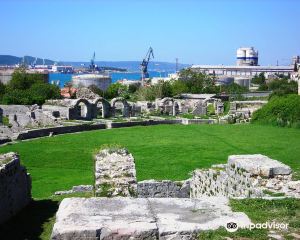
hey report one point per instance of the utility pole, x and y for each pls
(176, 65)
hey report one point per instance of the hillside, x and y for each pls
(12, 60)
(129, 65)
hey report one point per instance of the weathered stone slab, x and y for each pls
(258, 164)
(184, 218)
(140, 218)
(104, 218)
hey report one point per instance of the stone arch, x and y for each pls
(82, 109)
(126, 106)
(105, 111)
(166, 108)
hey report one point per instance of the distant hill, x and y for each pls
(12, 60)
(129, 65)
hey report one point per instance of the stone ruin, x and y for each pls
(15, 186)
(245, 176)
(165, 209)
(241, 111)
(115, 173)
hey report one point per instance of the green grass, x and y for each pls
(261, 211)
(161, 152)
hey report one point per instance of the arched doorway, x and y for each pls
(120, 107)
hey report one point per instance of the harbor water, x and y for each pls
(63, 78)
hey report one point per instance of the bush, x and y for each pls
(281, 111)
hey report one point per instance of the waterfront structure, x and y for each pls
(62, 69)
(101, 81)
(245, 69)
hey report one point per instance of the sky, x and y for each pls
(194, 31)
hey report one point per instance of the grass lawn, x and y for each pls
(285, 211)
(161, 152)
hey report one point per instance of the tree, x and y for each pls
(260, 79)
(178, 87)
(197, 82)
(23, 80)
(28, 89)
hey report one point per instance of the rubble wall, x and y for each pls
(163, 189)
(242, 176)
(115, 173)
(15, 186)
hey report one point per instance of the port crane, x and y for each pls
(144, 65)
(93, 66)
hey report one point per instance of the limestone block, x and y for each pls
(140, 218)
(258, 164)
(102, 218)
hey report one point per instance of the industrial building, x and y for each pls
(245, 69)
(101, 81)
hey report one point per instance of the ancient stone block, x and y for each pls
(15, 186)
(258, 164)
(140, 218)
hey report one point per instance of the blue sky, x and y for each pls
(197, 32)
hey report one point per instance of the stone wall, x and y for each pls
(44, 132)
(198, 121)
(142, 123)
(15, 186)
(163, 189)
(115, 173)
(14, 109)
(242, 176)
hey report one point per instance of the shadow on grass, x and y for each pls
(31, 222)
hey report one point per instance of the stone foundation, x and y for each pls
(15, 186)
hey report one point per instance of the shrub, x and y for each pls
(280, 111)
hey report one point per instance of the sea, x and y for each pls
(63, 78)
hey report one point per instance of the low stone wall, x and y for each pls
(163, 189)
(242, 176)
(198, 121)
(15, 186)
(142, 123)
(115, 173)
(35, 133)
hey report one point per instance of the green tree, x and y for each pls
(23, 80)
(178, 87)
(259, 79)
